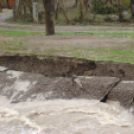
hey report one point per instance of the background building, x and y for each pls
(7, 3)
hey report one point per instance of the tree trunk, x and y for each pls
(76, 2)
(25, 11)
(0, 7)
(132, 8)
(86, 4)
(120, 10)
(64, 13)
(53, 5)
(16, 9)
(81, 11)
(48, 18)
(56, 10)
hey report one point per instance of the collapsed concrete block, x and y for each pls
(123, 93)
(20, 87)
(97, 87)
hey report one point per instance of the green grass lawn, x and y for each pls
(27, 33)
(14, 42)
(16, 34)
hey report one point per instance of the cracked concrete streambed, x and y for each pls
(69, 100)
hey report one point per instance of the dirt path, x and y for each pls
(5, 15)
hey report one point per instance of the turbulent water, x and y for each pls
(64, 117)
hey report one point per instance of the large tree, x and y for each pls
(48, 17)
(132, 8)
(120, 10)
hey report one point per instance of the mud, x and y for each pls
(67, 66)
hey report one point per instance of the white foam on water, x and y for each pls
(8, 112)
(66, 117)
(103, 118)
(30, 124)
(13, 115)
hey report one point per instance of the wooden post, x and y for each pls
(35, 10)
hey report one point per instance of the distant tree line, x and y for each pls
(113, 7)
(24, 9)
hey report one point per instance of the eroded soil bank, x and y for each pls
(67, 66)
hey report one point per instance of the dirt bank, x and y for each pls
(67, 66)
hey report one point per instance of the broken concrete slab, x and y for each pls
(123, 93)
(22, 86)
(98, 87)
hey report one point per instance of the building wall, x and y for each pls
(6, 3)
(10, 3)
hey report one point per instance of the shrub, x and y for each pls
(109, 6)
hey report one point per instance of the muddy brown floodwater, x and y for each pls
(64, 117)
(62, 95)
